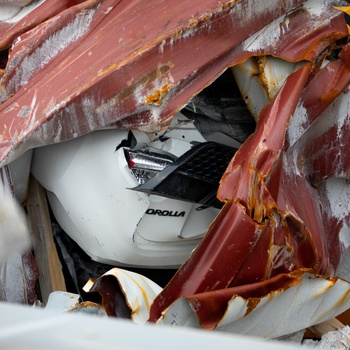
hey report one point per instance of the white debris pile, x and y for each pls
(339, 339)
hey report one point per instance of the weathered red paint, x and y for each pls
(245, 229)
(266, 187)
(9, 31)
(109, 74)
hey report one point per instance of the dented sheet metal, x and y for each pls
(287, 203)
(132, 294)
(103, 64)
(260, 78)
(18, 17)
(122, 76)
(299, 300)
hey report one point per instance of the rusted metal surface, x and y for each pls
(133, 80)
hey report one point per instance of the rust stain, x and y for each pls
(261, 62)
(252, 304)
(158, 95)
(85, 305)
(176, 34)
(228, 5)
(341, 300)
(192, 23)
(329, 284)
(127, 58)
(205, 17)
(152, 76)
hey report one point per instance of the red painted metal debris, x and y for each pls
(103, 63)
(285, 221)
(275, 220)
(96, 64)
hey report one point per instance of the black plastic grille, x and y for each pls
(194, 176)
(209, 164)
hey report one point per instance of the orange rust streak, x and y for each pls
(158, 95)
(251, 305)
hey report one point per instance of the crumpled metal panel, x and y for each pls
(260, 78)
(125, 294)
(103, 63)
(299, 300)
(91, 66)
(29, 17)
(253, 259)
(280, 213)
(70, 302)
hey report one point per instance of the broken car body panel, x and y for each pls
(138, 291)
